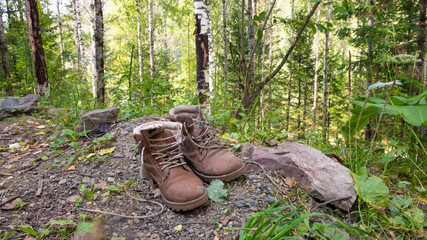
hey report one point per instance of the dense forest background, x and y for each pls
(355, 65)
(347, 77)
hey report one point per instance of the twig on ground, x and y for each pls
(331, 201)
(40, 187)
(268, 176)
(173, 224)
(120, 215)
(8, 201)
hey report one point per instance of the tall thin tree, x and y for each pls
(201, 13)
(151, 33)
(61, 42)
(325, 78)
(421, 42)
(288, 109)
(371, 23)
(316, 68)
(224, 34)
(5, 57)
(39, 59)
(98, 52)
(138, 29)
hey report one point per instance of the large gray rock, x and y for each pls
(93, 119)
(319, 176)
(13, 105)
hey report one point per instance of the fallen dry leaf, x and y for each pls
(14, 159)
(44, 145)
(9, 166)
(90, 155)
(70, 168)
(5, 174)
(13, 133)
(216, 235)
(102, 184)
(157, 192)
(40, 133)
(224, 220)
(1, 184)
(106, 151)
(41, 126)
(288, 181)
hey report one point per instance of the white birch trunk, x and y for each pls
(151, 33)
(98, 52)
(138, 26)
(316, 68)
(325, 79)
(61, 43)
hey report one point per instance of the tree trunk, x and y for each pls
(37, 48)
(224, 32)
(261, 100)
(251, 42)
(5, 58)
(290, 73)
(368, 128)
(325, 79)
(316, 69)
(61, 43)
(201, 9)
(98, 52)
(78, 35)
(138, 29)
(151, 33)
(249, 100)
(421, 40)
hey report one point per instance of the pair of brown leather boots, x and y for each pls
(177, 155)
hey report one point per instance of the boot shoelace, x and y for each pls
(172, 148)
(207, 137)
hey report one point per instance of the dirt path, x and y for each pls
(35, 173)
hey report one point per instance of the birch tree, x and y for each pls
(316, 69)
(203, 27)
(371, 23)
(98, 52)
(78, 34)
(138, 29)
(290, 73)
(151, 33)
(5, 58)
(421, 42)
(37, 48)
(61, 42)
(325, 78)
(224, 33)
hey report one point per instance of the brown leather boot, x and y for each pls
(202, 150)
(160, 146)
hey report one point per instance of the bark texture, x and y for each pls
(290, 73)
(37, 48)
(421, 42)
(61, 43)
(151, 33)
(138, 29)
(325, 79)
(78, 34)
(98, 52)
(5, 58)
(224, 33)
(201, 12)
(316, 69)
(371, 23)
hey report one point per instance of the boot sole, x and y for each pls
(226, 177)
(180, 206)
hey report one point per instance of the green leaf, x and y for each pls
(386, 158)
(336, 234)
(85, 227)
(130, 183)
(28, 229)
(216, 191)
(106, 151)
(62, 222)
(82, 188)
(112, 188)
(68, 132)
(372, 190)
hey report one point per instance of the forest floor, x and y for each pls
(36, 186)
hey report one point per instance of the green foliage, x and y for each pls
(64, 232)
(372, 190)
(216, 191)
(412, 110)
(281, 221)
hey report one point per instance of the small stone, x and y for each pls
(118, 155)
(87, 180)
(73, 199)
(208, 234)
(110, 179)
(28, 192)
(240, 203)
(116, 219)
(63, 181)
(115, 235)
(62, 202)
(270, 199)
